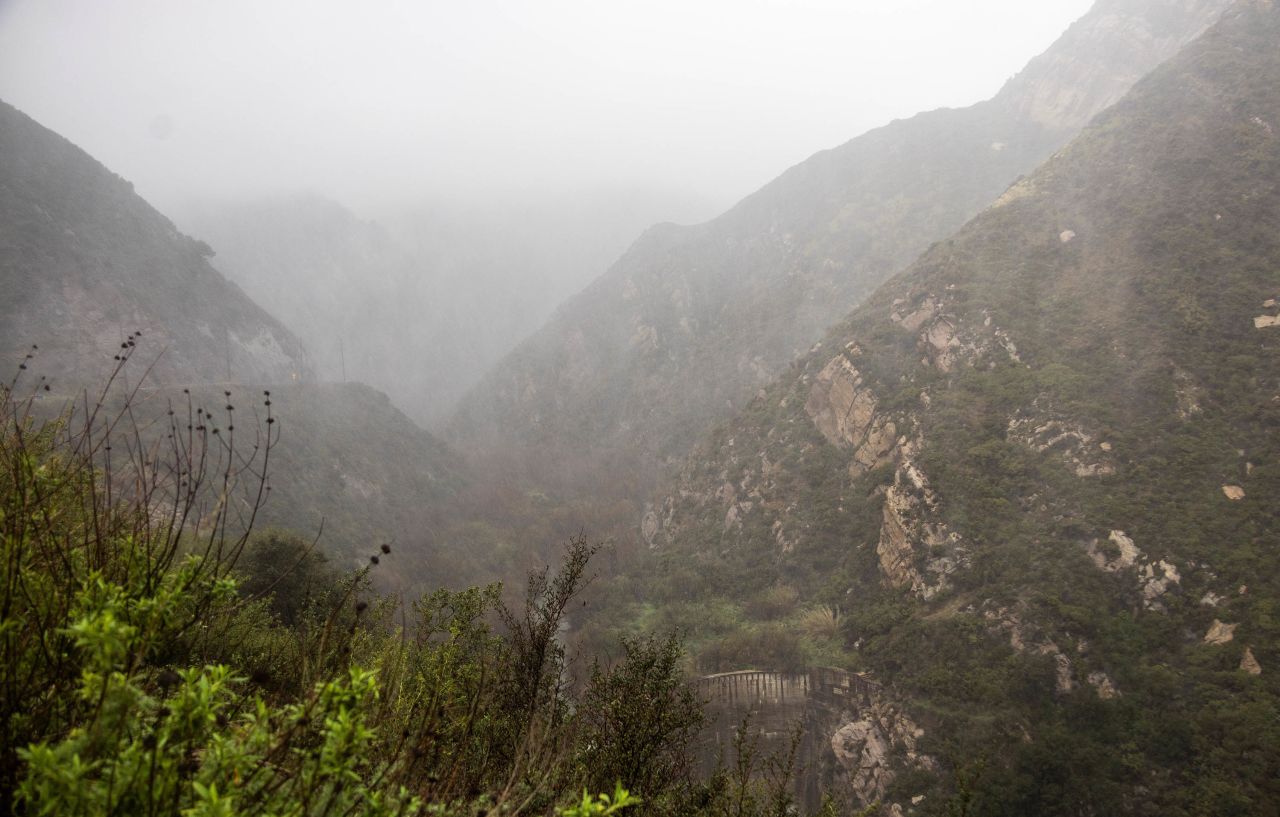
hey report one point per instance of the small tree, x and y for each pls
(639, 720)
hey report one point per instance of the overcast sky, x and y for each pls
(386, 100)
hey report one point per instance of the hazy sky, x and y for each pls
(387, 100)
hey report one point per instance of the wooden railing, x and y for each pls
(754, 688)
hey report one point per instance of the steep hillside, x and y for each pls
(423, 307)
(344, 467)
(694, 320)
(365, 307)
(348, 465)
(1031, 484)
(85, 262)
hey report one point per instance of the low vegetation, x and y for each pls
(155, 661)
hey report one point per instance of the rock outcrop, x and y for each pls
(1154, 577)
(1080, 448)
(844, 411)
(1249, 664)
(1220, 633)
(870, 751)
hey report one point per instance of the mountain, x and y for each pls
(692, 321)
(85, 262)
(422, 307)
(1030, 484)
(362, 303)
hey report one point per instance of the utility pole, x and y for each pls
(342, 359)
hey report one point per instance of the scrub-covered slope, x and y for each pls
(1032, 483)
(85, 262)
(692, 321)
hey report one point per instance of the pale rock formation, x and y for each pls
(862, 749)
(1066, 235)
(1266, 321)
(1155, 578)
(779, 535)
(731, 519)
(878, 447)
(1249, 664)
(1023, 639)
(1078, 447)
(917, 317)
(1063, 682)
(649, 526)
(1128, 553)
(908, 532)
(844, 410)
(644, 337)
(1188, 393)
(866, 750)
(1158, 578)
(941, 344)
(1220, 633)
(839, 404)
(1233, 492)
(1101, 682)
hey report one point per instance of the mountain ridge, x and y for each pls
(82, 252)
(691, 321)
(1030, 479)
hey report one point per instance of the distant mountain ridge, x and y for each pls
(358, 299)
(84, 262)
(421, 303)
(692, 321)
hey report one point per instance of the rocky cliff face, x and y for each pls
(1033, 469)
(693, 321)
(85, 263)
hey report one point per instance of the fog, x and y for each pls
(508, 152)
(376, 103)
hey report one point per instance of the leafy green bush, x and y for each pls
(152, 661)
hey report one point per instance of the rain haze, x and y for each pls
(640, 408)
(414, 187)
(400, 101)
